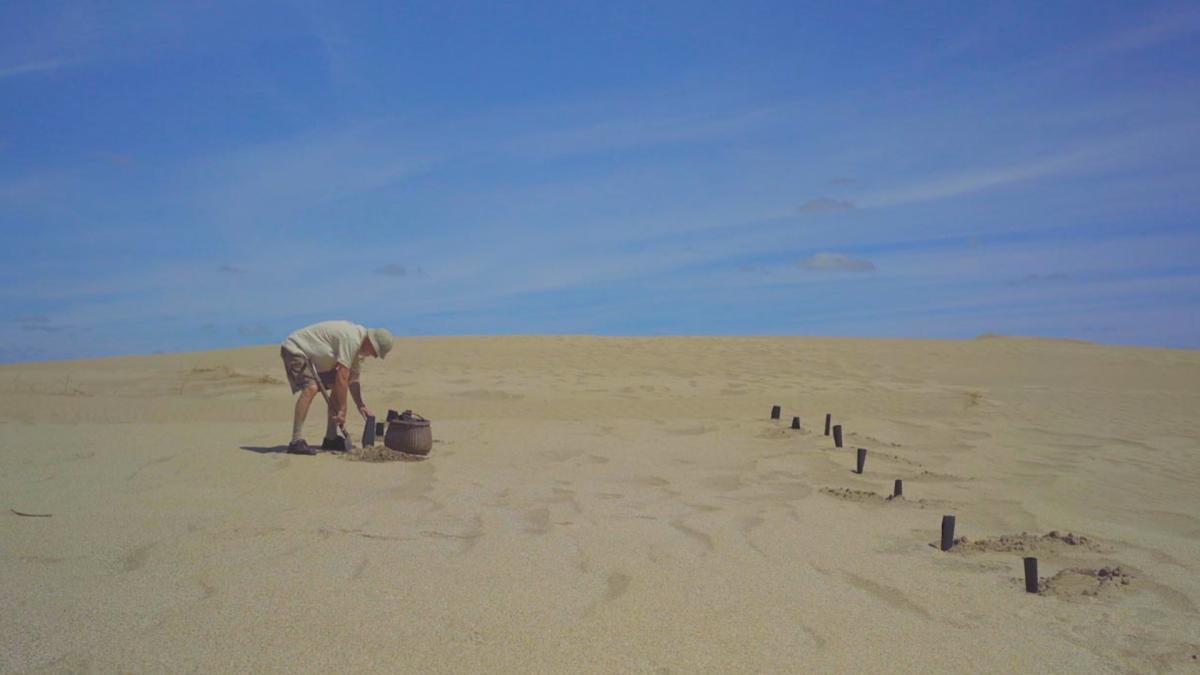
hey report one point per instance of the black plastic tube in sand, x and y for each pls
(775, 412)
(380, 429)
(898, 488)
(828, 421)
(368, 438)
(795, 422)
(837, 435)
(1031, 575)
(947, 532)
(862, 459)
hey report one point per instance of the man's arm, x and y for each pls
(341, 384)
(356, 392)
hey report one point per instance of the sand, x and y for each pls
(611, 505)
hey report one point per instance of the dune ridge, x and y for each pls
(611, 504)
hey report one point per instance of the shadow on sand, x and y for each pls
(265, 450)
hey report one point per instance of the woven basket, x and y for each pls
(409, 433)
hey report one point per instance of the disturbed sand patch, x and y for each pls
(852, 495)
(1053, 541)
(380, 453)
(1078, 582)
(868, 497)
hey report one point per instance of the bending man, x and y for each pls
(336, 348)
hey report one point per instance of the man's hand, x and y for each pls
(339, 418)
(362, 410)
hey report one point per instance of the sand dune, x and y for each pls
(611, 504)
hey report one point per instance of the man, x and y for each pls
(336, 348)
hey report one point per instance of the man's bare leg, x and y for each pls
(302, 403)
(331, 429)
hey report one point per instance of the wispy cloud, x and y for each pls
(272, 182)
(528, 199)
(970, 180)
(1049, 278)
(32, 67)
(639, 131)
(825, 205)
(116, 158)
(1160, 30)
(835, 262)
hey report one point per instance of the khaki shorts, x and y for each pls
(299, 375)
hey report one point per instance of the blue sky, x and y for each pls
(201, 175)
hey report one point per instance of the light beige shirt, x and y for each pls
(329, 343)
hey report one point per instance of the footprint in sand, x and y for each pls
(889, 595)
(779, 432)
(618, 584)
(489, 395)
(698, 430)
(747, 525)
(934, 477)
(695, 535)
(359, 568)
(465, 537)
(417, 484)
(651, 481)
(724, 483)
(207, 590)
(136, 559)
(537, 521)
(560, 454)
(879, 442)
(565, 496)
(147, 465)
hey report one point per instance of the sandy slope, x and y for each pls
(603, 504)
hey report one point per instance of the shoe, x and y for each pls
(300, 447)
(337, 444)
